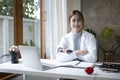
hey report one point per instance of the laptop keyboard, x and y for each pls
(46, 67)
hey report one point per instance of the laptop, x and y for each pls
(31, 58)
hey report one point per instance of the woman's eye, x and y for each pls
(76, 20)
(73, 20)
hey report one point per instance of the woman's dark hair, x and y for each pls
(76, 12)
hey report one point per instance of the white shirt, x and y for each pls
(86, 41)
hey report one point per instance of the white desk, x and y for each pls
(60, 72)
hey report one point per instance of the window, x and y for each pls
(6, 26)
(44, 31)
(31, 23)
(15, 30)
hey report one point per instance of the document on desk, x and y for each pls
(56, 63)
(70, 64)
(85, 64)
(79, 64)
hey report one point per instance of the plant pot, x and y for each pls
(109, 56)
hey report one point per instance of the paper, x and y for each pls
(56, 63)
(85, 64)
(72, 64)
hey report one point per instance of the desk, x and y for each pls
(60, 72)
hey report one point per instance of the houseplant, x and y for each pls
(108, 34)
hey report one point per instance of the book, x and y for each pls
(114, 67)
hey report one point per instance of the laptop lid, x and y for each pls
(30, 57)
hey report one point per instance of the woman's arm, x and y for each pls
(90, 54)
(63, 51)
(81, 52)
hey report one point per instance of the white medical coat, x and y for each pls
(88, 42)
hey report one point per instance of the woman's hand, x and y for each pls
(65, 50)
(81, 52)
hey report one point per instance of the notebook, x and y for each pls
(107, 66)
(31, 58)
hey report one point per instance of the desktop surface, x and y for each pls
(60, 72)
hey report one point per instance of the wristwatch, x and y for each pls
(69, 51)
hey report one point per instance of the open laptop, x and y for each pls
(31, 58)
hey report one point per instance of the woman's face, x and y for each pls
(76, 23)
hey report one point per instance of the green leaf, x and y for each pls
(6, 8)
(32, 43)
(30, 28)
(117, 39)
(107, 33)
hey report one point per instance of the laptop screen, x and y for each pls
(30, 57)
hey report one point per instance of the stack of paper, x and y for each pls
(85, 64)
(71, 64)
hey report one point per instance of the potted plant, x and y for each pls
(107, 35)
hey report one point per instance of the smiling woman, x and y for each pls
(81, 42)
(57, 24)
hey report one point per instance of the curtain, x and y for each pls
(56, 25)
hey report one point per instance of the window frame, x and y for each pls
(18, 25)
(43, 28)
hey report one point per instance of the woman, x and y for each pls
(78, 44)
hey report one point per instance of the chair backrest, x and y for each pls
(97, 43)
